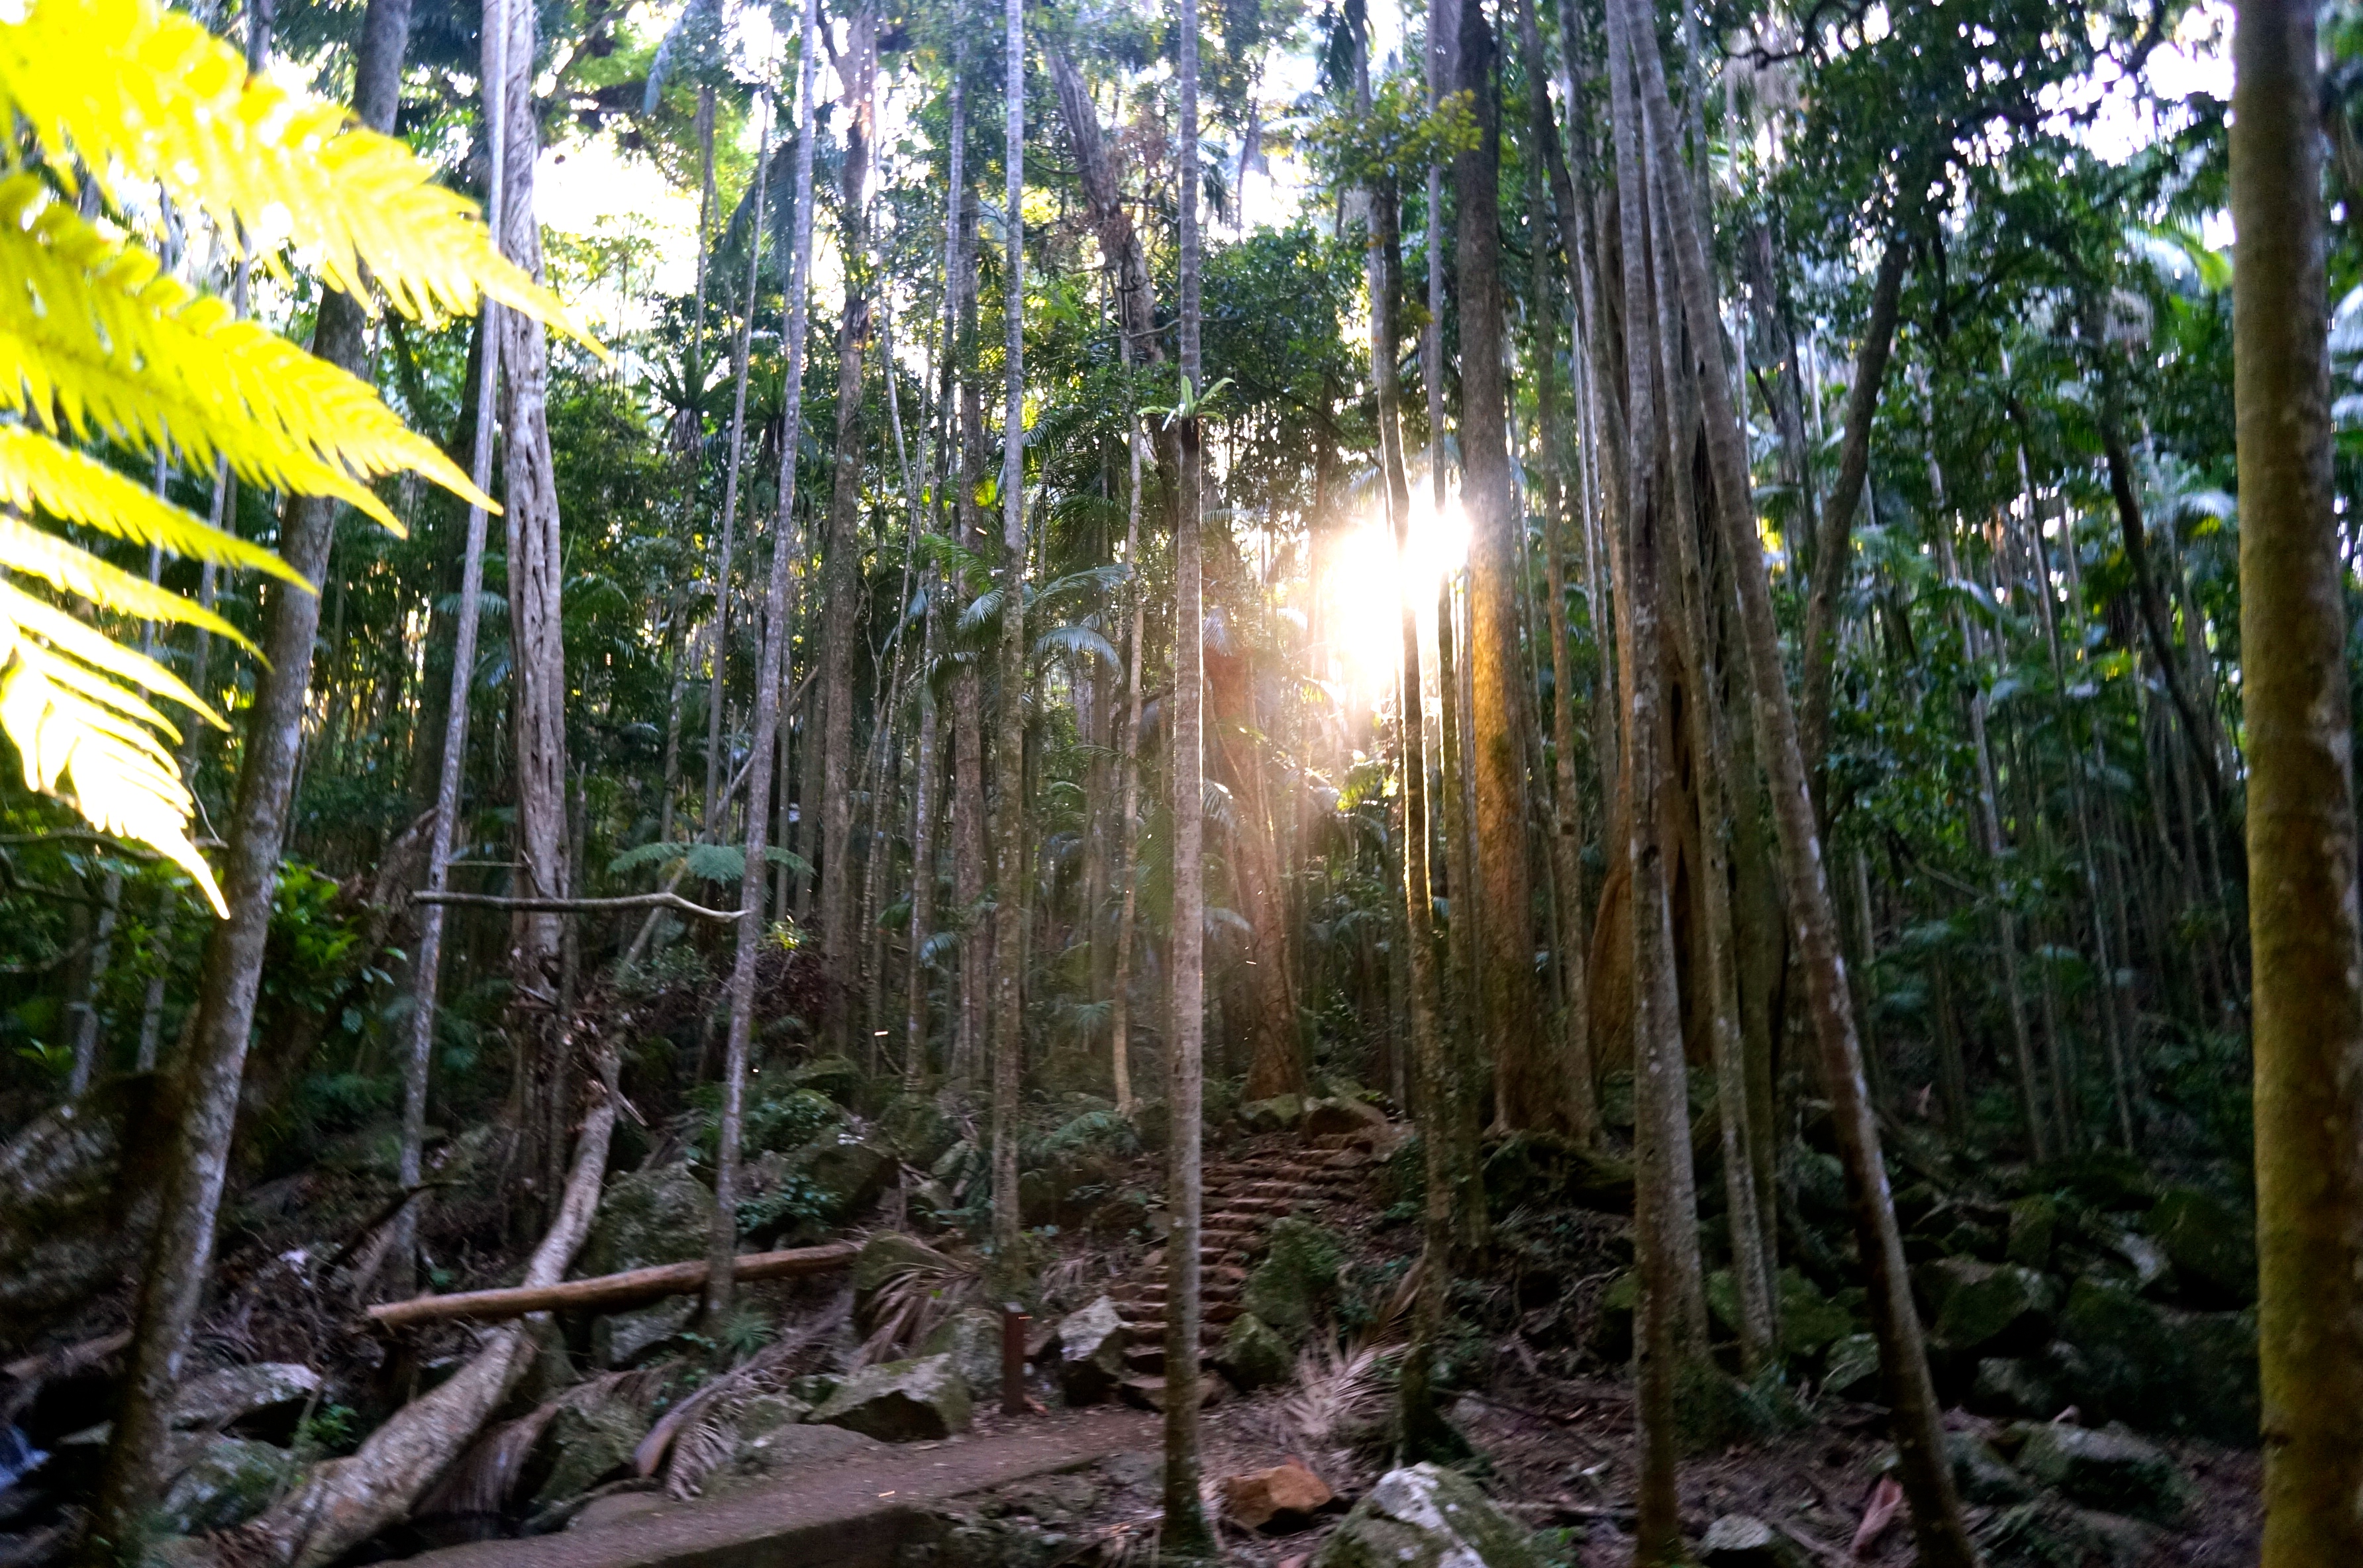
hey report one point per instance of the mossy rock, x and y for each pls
(1543, 1170)
(1280, 1113)
(660, 1215)
(1851, 1371)
(901, 1401)
(1426, 1517)
(1995, 1308)
(2110, 1469)
(1810, 1321)
(2105, 1179)
(2211, 1244)
(913, 1128)
(585, 1444)
(972, 1338)
(1296, 1284)
(885, 1255)
(229, 1481)
(837, 1078)
(1252, 1356)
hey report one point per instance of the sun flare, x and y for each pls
(1365, 583)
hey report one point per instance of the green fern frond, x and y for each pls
(95, 338)
(145, 96)
(38, 474)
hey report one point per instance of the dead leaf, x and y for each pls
(1885, 1499)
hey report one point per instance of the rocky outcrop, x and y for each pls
(1426, 1517)
(1091, 1352)
(2109, 1469)
(972, 1340)
(1252, 1356)
(265, 1400)
(901, 1401)
(228, 1482)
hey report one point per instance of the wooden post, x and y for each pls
(1013, 1325)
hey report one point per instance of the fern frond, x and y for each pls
(95, 338)
(116, 776)
(74, 569)
(141, 93)
(38, 474)
(71, 637)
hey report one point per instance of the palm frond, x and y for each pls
(140, 95)
(94, 337)
(38, 474)
(1078, 642)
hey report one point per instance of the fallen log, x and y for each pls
(607, 1292)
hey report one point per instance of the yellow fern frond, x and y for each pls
(69, 567)
(71, 702)
(96, 337)
(142, 94)
(38, 474)
(22, 614)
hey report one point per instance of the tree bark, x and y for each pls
(180, 1254)
(1186, 1534)
(1832, 552)
(607, 1292)
(722, 1249)
(841, 606)
(1941, 1532)
(1009, 738)
(2302, 920)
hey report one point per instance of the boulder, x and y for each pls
(1283, 1497)
(1278, 1114)
(1297, 1280)
(623, 1340)
(265, 1400)
(228, 1482)
(972, 1338)
(888, 1254)
(1134, 1469)
(1979, 1473)
(1851, 1369)
(837, 1078)
(2110, 1469)
(915, 1130)
(2153, 1271)
(901, 1401)
(658, 1216)
(1810, 1321)
(1742, 1540)
(845, 1173)
(1611, 1336)
(2211, 1244)
(1091, 1352)
(1252, 1356)
(585, 1443)
(2103, 1180)
(2016, 1386)
(2034, 1231)
(788, 1450)
(1353, 1117)
(1426, 1517)
(2125, 1358)
(767, 1413)
(1992, 1307)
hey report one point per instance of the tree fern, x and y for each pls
(99, 345)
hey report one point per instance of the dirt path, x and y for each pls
(851, 1513)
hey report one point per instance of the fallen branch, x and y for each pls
(576, 906)
(342, 1503)
(607, 1292)
(68, 1358)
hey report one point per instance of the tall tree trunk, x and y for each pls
(1127, 829)
(722, 1247)
(90, 975)
(1567, 822)
(529, 495)
(1533, 1091)
(968, 703)
(179, 1262)
(840, 603)
(2302, 923)
(427, 970)
(717, 760)
(1009, 737)
(1832, 551)
(1941, 1531)
(1185, 1532)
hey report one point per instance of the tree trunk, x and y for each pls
(1127, 828)
(968, 703)
(1832, 552)
(840, 605)
(2302, 923)
(722, 1249)
(1009, 735)
(1532, 1080)
(1185, 1530)
(180, 1254)
(1940, 1529)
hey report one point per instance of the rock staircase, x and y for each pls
(1243, 1197)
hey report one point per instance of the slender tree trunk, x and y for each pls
(721, 1248)
(91, 974)
(1832, 552)
(427, 970)
(1127, 827)
(717, 758)
(1940, 1529)
(840, 603)
(967, 707)
(1009, 738)
(2302, 923)
(1185, 1532)
(179, 1262)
